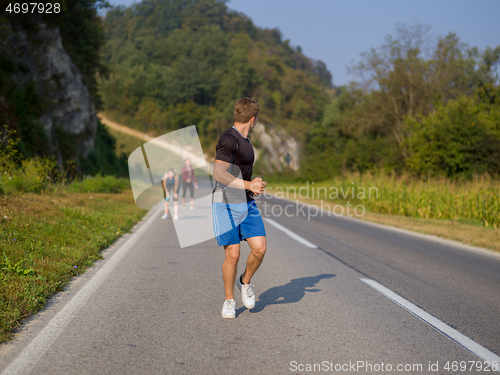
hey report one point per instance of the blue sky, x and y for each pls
(337, 32)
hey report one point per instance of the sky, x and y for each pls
(338, 31)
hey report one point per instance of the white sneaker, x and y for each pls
(228, 311)
(176, 217)
(247, 295)
(165, 216)
(191, 207)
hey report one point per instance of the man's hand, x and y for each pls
(196, 186)
(257, 186)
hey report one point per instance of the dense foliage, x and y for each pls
(424, 107)
(82, 36)
(21, 103)
(460, 138)
(183, 62)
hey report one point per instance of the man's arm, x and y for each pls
(256, 186)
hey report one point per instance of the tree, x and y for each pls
(396, 73)
(408, 76)
(389, 119)
(460, 138)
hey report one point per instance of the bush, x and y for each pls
(29, 175)
(461, 138)
(8, 153)
(99, 184)
(34, 175)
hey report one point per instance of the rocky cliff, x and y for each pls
(275, 148)
(40, 57)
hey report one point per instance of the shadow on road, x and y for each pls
(288, 293)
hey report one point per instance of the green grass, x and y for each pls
(52, 230)
(48, 238)
(99, 184)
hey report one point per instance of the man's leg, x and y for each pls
(230, 268)
(258, 247)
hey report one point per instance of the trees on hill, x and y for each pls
(412, 109)
(181, 62)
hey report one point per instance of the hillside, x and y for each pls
(179, 63)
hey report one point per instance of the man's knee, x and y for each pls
(233, 256)
(260, 250)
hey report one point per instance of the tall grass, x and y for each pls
(28, 175)
(33, 175)
(99, 184)
(438, 198)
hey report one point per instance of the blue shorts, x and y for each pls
(236, 222)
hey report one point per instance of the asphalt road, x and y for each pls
(151, 307)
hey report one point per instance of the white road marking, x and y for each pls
(28, 358)
(438, 325)
(291, 234)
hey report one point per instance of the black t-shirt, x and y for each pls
(232, 143)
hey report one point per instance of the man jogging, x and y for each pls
(235, 220)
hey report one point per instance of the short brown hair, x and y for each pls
(245, 109)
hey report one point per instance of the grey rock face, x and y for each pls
(274, 145)
(42, 57)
